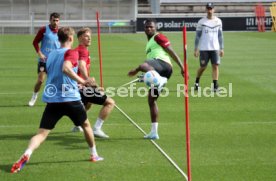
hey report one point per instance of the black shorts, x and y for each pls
(41, 67)
(162, 67)
(92, 95)
(205, 56)
(55, 111)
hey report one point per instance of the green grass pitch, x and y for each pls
(232, 138)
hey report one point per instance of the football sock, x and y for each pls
(93, 151)
(215, 83)
(154, 127)
(35, 94)
(28, 152)
(197, 80)
(99, 123)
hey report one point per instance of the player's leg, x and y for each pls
(96, 96)
(89, 137)
(77, 113)
(105, 111)
(203, 61)
(50, 117)
(41, 70)
(215, 60)
(144, 67)
(152, 102)
(33, 145)
(165, 71)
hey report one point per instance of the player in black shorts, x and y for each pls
(91, 95)
(61, 67)
(159, 55)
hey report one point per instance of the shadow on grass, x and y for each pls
(18, 105)
(7, 168)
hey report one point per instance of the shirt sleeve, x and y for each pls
(72, 56)
(197, 38)
(83, 54)
(199, 25)
(162, 40)
(38, 38)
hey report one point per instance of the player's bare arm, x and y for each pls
(67, 69)
(41, 56)
(175, 57)
(83, 69)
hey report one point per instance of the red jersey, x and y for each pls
(72, 56)
(39, 36)
(84, 56)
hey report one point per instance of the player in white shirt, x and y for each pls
(209, 45)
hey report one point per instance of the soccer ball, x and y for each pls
(152, 78)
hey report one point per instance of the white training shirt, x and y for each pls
(209, 36)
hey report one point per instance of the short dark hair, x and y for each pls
(150, 20)
(64, 33)
(82, 31)
(55, 15)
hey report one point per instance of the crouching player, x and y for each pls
(91, 95)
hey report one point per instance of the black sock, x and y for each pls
(215, 83)
(197, 80)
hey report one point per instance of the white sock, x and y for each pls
(93, 151)
(35, 94)
(154, 127)
(99, 123)
(28, 152)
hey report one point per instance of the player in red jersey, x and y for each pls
(96, 95)
(47, 36)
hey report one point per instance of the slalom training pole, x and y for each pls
(186, 97)
(99, 49)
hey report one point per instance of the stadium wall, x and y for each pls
(229, 23)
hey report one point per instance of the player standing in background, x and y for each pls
(209, 45)
(62, 97)
(159, 53)
(47, 35)
(97, 97)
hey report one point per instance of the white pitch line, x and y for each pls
(135, 80)
(154, 143)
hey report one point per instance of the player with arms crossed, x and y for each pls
(94, 95)
(209, 45)
(159, 53)
(47, 35)
(62, 96)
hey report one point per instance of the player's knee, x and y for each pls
(85, 124)
(110, 102)
(145, 67)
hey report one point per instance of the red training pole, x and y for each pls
(188, 147)
(99, 48)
